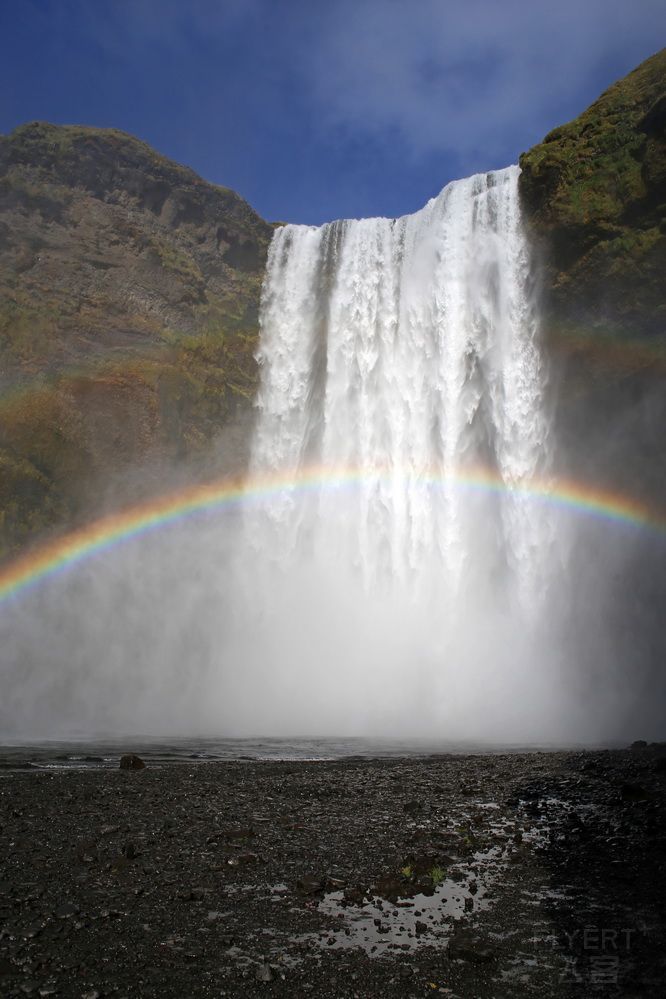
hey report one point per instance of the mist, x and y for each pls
(163, 636)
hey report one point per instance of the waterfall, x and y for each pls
(405, 352)
(394, 567)
(397, 578)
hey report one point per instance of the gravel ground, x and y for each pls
(466, 876)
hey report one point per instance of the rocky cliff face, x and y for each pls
(129, 293)
(594, 192)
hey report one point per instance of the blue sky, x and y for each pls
(320, 109)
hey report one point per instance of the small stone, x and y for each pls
(193, 894)
(633, 792)
(237, 832)
(130, 761)
(309, 884)
(197, 894)
(354, 895)
(468, 947)
(249, 858)
(86, 851)
(264, 973)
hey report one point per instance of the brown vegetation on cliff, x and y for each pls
(129, 294)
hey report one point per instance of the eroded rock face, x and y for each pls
(129, 295)
(595, 194)
(107, 243)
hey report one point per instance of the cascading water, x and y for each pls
(405, 349)
(400, 360)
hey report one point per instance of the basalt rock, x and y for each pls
(130, 761)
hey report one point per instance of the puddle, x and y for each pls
(380, 926)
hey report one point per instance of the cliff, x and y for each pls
(594, 196)
(595, 193)
(129, 293)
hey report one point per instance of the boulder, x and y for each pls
(130, 761)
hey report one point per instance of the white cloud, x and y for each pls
(457, 75)
(471, 79)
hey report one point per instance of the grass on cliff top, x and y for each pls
(593, 163)
(34, 140)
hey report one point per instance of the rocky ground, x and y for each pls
(471, 876)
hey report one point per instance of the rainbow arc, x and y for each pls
(65, 552)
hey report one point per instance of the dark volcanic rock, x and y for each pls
(469, 947)
(191, 924)
(310, 884)
(130, 761)
(633, 792)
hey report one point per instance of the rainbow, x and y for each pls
(94, 538)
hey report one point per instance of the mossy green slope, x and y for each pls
(595, 195)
